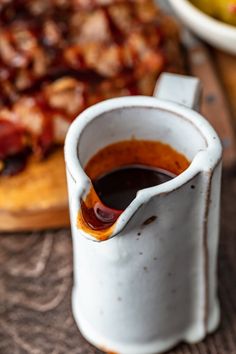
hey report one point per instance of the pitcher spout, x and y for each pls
(99, 222)
(94, 220)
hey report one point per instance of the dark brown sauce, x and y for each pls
(118, 188)
(118, 172)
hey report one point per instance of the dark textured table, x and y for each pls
(36, 281)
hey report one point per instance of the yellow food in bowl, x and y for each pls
(224, 10)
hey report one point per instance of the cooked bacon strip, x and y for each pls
(12, 139)
(101, 41)
(44, 6)
(88, 4)
(36, 122)
(67, 95)
(59, 57)
(40, 117)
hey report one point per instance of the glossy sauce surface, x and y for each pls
(118, 172)
(117, 189)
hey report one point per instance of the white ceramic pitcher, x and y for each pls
(150, 285)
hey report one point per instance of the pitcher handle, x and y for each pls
(184, 90)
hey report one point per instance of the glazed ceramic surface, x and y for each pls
(151, 284)
(217, 33)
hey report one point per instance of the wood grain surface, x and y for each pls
(36, 282)
(219, 92)
(226, 68)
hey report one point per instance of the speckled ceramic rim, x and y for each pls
(205, 159)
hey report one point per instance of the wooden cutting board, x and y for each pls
(226, 67)
(46, 181)
(43, 187)
(218, 79)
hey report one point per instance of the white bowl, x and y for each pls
(219, 34)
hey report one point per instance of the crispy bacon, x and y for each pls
(66, 95)
(105, 41)
(12, 138)
(33, 120)
(58, 57)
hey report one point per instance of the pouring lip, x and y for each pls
(205, 160)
